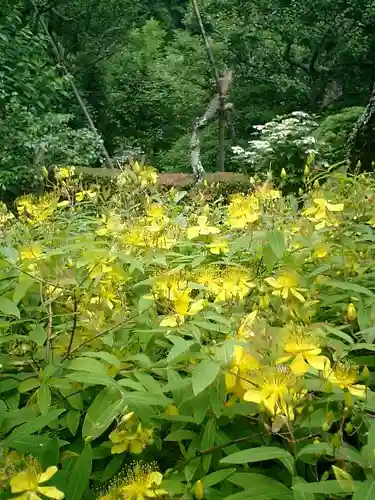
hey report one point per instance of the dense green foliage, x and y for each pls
(228, 349)
(143, 72)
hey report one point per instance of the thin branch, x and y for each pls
(74, 327)
(49, 331)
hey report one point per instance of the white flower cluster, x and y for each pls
(278, 140)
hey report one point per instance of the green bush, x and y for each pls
(333, 133)
(155, 346)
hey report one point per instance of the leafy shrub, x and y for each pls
(281, 147)
(155, 348)
(333, 133)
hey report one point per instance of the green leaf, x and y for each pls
(44, 398)
(149, 383)
(258, 487)
(33, 425)
(28, 384)
(351, 287)
(107, 405)
(326, 487)
(146, 398)
(191, 468)
(9, 308)
(111, 359)
(72, 421)
(21, 289)
(365, 492)
(217, 477)
(361, 346)
(38, 335)
(208, 440)
(88, 365)
(180, 435)
(315, 451)
(204, 374)
(91, 378)
(259, 454)
(80, 475)
(301, 495)
(277, 243)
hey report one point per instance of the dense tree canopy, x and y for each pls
(142, 69)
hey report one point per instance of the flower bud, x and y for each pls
(326, 426)
(264, 301)
(351, 312)
(316, 184)
(365, 372)
(349, 427)
(199, 490)
(283, 173)
(306, 171)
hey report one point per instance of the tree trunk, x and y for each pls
(362, 139)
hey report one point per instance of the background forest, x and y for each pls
(212, 341)
(142, 70)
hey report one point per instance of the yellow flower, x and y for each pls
(245, 329)
(265, 192)
(321, 251)
(242, 211)
(130, 436)
(286, 286)
(201, 229)
(344, 375)
(170, 287)
(182, 308)
(236, 285)
(209, 277)
(28, 484)
(218, 246)
(147, 175)
(302, 347)
(155, 212)
(139, 482)
(64, 172)
(321, 213)
(243, 364)
(275, 388)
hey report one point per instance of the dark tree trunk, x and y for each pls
(362, 139)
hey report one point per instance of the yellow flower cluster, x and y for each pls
(243, 210)
(130, 436)
(29, 483)
(278, 387)
(138, 482)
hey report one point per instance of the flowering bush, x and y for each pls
(281, 147)
(152, 348)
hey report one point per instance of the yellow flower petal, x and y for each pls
(299, 366)
(317, 362)
(119, 448)
(273, 282)
(170, 321)
(45, 476)
(253, 396)
(51, 492)
(136, 447)
(24, 481)
(357, 390)
(297, 295)
(193, 232)
(155, 478)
